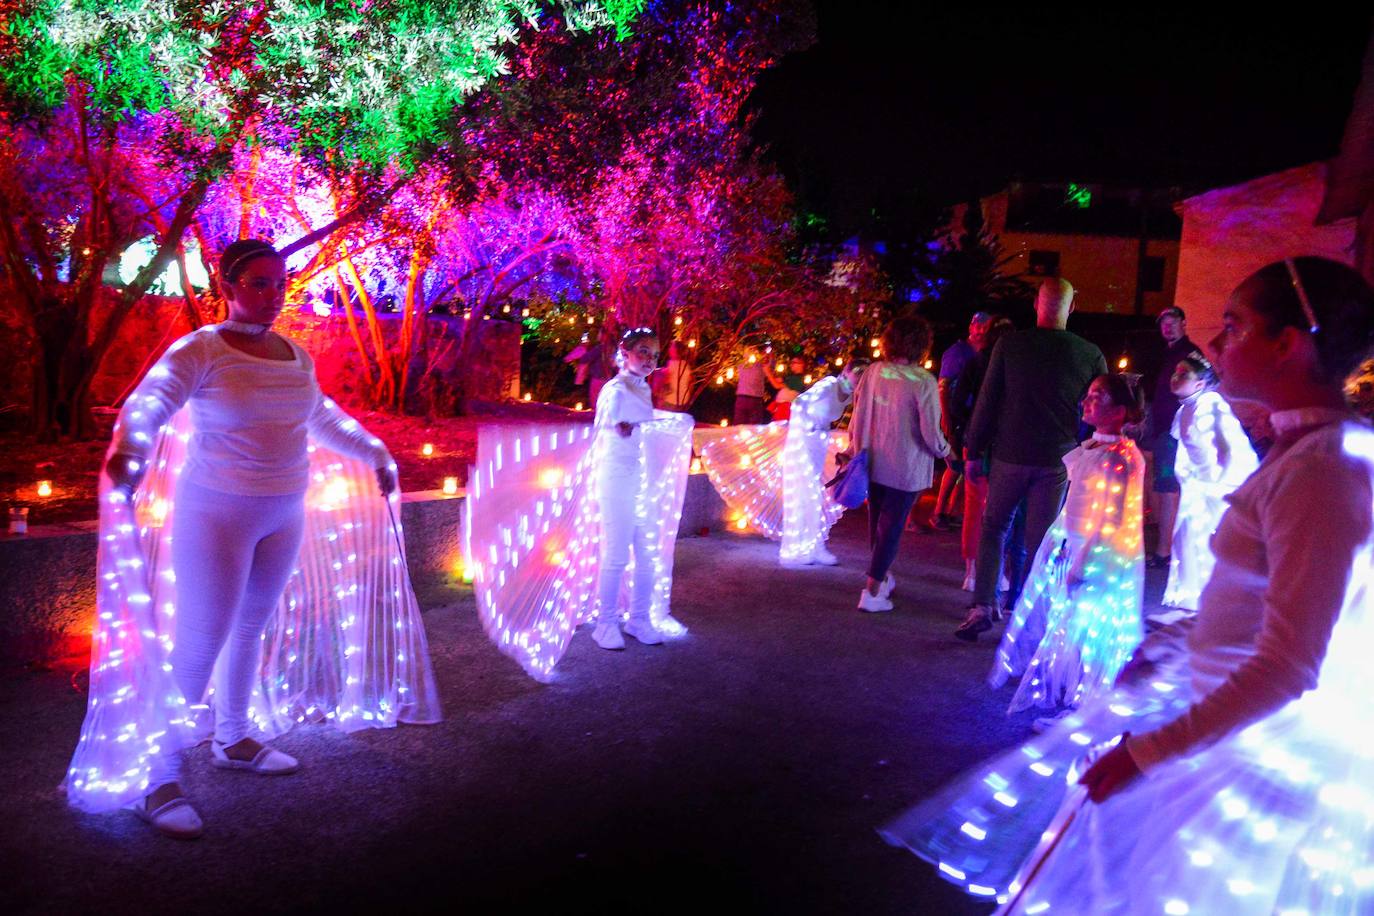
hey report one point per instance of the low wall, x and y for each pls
(47, 577)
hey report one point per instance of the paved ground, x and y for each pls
(744, 766)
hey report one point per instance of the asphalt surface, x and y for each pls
(744, 766)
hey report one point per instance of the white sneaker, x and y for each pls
(643, 629)
(824, 557)
(873, 603)
(670, 627)
(606, 634)
(795, 562)
(889, 584)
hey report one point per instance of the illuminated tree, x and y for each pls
(351, 85)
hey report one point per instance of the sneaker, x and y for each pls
(642, 629)
(824, 557)
(607, 635)
(795, 562)
(873, 604)
(889, 584)
(979, 619)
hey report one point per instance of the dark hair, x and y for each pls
(635, 335)
(238, 255)
(1124, 393)
(907, 338)
(1199, 366)
(1341, 303)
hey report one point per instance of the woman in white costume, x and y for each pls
(1214, 458)
(624, 405)
(240, 517)
(1242, 782)
(808, 510)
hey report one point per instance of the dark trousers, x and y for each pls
(887, 509)
(1043, 490)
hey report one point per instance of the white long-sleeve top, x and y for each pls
(1285, 551)
(624, 399)
(897, 418)
(250, 417)
(1214, 451)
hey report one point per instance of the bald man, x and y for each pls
(1027, 413)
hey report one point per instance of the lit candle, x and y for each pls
(929, 364)
(839, 361)
(45, 488)
(527, 395)
(720, 380)
(577, 406)
(806, 379)
(753, 358)
(1123, 363)
(741, 523)
(696, 465)
(450, 486)
(692, 343)
(873, 342)
(678, 321)
(427, 449)
(780, 366)
(724, 421)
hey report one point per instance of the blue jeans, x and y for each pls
(1043, 490)
(887, 511)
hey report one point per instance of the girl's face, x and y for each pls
(1184, 383)
(1100, 411)
(259, 293)
(641, 357)
(1246, 355)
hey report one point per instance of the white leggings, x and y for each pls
(233, 556)
(620, 530)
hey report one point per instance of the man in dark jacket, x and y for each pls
(1027, 413)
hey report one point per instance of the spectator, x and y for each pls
(1027, 414)
(952, 362)
(672, 383)
(749, 394)
(790, 384)
(1173, 327)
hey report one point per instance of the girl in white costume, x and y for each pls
(621, 484)
(239, 520)
(1078, 618)
(1242, 782)
(808, 509)
(1214, 457)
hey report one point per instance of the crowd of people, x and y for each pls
(1268, 563)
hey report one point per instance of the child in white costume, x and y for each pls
(1078, 618)
(237, 512)
(808, 509)
(1214, 457)
(621, 486)
(1233, 777)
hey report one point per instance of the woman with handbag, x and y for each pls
(897, 420)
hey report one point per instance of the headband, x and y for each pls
(636, 332)
(1306, 303)
(258, 248)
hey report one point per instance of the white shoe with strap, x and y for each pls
(267, 761)
(176, 818)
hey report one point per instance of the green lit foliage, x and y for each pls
(373, 82)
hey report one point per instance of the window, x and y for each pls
(1044, 264)
(1152, 274)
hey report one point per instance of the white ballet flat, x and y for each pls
(268, 761)
(175, 819)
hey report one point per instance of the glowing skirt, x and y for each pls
(1068, 644)
(1278, 818)
(1199, 513)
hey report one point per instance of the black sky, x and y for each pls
(936, 103)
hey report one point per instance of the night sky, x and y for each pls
(909, 107)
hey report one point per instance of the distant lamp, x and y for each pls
(527, 396)
(1123, 363)
(427, 449)
(724, 421)
(450, 486)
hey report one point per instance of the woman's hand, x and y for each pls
(624, 429)
(1112, 772)
(125, 471)
(386, 479)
